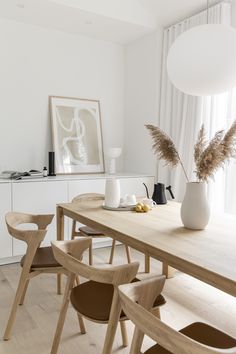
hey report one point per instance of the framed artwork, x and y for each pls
(77, 135)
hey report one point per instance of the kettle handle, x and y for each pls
(146, 190)
(171, 193)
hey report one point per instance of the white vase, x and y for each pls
(112, 193)
(195, 210)
(113, 154)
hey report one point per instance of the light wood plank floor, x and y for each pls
(188, 300)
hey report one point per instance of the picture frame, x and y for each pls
(77, 135)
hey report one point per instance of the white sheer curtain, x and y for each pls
(181, 116)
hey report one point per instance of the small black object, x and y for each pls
(45, 171)
(51, 163)
(159, 195)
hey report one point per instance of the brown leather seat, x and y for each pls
(43, 258)
(90, 232)
(94, 300)
(202, 333)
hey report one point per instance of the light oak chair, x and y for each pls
(197, 338)
(96, 299)
(36, 260)
(86, 231)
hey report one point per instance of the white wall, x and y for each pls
(143, 75)
(37, 62)
(233, 2)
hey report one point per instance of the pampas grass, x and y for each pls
(200, 144)
(208, 156)
(229, 142)
(164, 147)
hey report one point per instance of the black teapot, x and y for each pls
(159, 195)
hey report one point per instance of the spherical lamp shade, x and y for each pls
(202, 60)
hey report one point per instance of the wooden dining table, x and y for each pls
(208, 255)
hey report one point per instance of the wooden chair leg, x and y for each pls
(112, 324)
(80, 318)
(138, 336)
(147, 263)
(62, 316)
(18, 297)
(91, 254)
(77, 280)
(137, 342)
(73, 229)
(24, 292)
(59, 284)
(112, 251)
(124, 333)
(81, 324)
(127, 249)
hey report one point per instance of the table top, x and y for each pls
(209, 255)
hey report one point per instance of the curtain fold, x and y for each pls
(181, 117)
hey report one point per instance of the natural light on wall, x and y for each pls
(218, 113)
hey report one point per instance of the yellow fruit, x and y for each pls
(138, 208)
(146, 208)
(139, 204)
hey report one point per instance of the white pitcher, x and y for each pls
(112, 193)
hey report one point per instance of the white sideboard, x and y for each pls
(40, 196)
(6, 242)
(37, 198)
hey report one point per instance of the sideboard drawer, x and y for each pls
(38, 198)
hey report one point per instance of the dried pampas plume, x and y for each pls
(228, 143)
(200, 144)
(213, 156)
(208, 156)
(164, 147)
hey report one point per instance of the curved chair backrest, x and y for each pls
(136, 300)
(88, 196)
(68, 254)
(14, 219)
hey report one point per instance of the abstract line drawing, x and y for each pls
(77, 135)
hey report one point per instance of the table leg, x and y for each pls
(60, 224)
(59, 284)
(147, 263)
(168, 271)
(60, 237)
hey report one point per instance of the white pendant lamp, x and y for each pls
(202, 60)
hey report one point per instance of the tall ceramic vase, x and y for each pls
(195, 210)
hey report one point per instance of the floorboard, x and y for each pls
(188, 300)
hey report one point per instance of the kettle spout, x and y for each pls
(146, 190)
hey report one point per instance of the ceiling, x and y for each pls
(168, 12)
(119, 21)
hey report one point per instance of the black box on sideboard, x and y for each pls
(51, 163)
